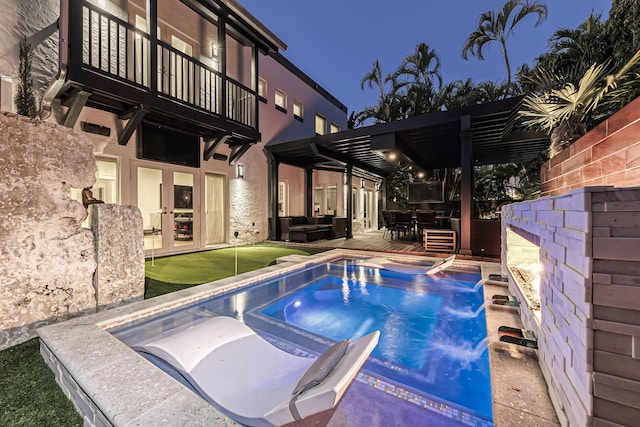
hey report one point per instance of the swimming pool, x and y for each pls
(432, 350)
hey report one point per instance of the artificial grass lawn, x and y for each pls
(29, 394)
(182, 271)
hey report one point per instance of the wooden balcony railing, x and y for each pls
(118, 50)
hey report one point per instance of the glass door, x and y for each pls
(168, 201)
(368, 212)
(215, 209)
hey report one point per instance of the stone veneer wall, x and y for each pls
(589, 320)
(609, 154)
(48, 259)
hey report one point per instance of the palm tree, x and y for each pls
(497, 26)
(581, 47)
(416, 80)
(568, 109)
(381, 113)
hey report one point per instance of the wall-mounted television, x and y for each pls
(426, 192)
(182, 197)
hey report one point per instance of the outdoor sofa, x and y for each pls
(308, 229)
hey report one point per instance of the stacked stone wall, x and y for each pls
(616, 307)
(588, 327)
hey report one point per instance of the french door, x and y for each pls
(168, 197)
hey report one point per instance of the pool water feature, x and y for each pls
(428, 348)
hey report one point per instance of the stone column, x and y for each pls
(119, 241)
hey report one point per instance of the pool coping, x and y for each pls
(110, 384)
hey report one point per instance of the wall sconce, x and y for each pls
(214, 50)
(240, 171)
(362, 183)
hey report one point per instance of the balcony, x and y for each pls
(120, 67)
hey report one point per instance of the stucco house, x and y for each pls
(178, 98)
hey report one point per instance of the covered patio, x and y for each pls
(464, 137)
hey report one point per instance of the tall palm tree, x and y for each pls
(376, 78)
(497, 26)
(567, 109)
(417, 79)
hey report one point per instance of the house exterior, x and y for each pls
(178, 97)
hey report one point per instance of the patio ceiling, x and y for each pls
(430, 141)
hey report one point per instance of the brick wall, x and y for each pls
(607, 155)
(588, 326)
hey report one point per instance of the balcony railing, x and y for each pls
(119, 50)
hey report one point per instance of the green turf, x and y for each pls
(29, 395)
(177, 272)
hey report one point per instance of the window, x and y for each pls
(334, 128)
(280, 100)
(297, 110)
(262, 89)
(321, 125)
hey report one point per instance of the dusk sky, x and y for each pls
(336, 42)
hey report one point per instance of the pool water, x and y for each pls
(433, 328)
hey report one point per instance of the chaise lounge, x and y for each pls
(253, 382)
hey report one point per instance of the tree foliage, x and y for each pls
(25, 99)
(498, 26)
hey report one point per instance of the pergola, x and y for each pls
(463, 137)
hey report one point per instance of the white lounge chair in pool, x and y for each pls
(408, 268)
(254, 382)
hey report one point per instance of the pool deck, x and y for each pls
(110, 384)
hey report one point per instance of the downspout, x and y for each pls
(63, 59)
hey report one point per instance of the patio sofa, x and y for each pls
(308, 229)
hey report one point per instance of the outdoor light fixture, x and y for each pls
(214, 50)
(240, 171)
(420, 175)
(393, 156)
(362, 183)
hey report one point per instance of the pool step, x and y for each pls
(517, 336)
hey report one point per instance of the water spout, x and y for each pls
(480, 283)
(466, 313)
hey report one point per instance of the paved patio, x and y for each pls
(377, 241)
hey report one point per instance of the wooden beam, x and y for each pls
(77, 100)
(134, 117)
(237, 152)
(212, 144)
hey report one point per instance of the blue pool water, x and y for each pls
(433, 328)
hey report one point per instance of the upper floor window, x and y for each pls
(297, 110)
(280, 100)
(334, 128)
(321, 125)
(262, 88)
